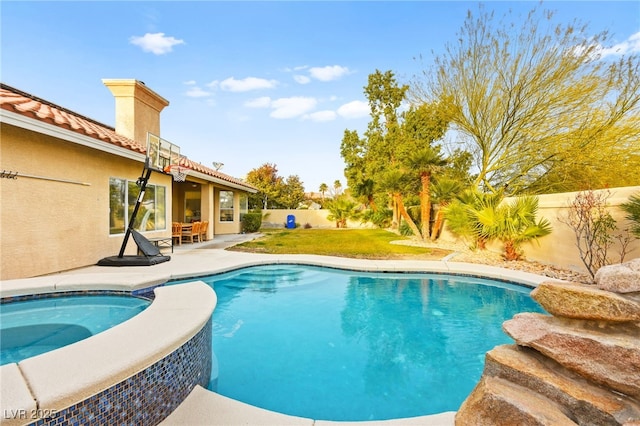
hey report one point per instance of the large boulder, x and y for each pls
(581, 301)
(620, 278)
(606, 354)
(583, 402)
(495, 401)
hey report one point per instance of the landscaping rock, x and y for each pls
(495, 401)
(581, 301)
(583, 401)
(606, 354)
(620, 278)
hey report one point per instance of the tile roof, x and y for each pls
(25, 104)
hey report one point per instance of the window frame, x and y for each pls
(125, 201)
(224, 211)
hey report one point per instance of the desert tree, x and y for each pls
(538, 105)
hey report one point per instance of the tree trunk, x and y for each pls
(425, 204)
(395, 220)
(511, 251)
(403, 212)
(437, 225)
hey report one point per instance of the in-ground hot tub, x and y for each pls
(34, 325)
(136, 372)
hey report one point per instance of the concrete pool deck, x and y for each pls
(204, 407)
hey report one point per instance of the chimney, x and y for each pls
(137, 108)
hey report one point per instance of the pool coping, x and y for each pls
(46, 384)
(193, 262)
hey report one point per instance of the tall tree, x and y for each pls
(539, 108)
(421, 126)
(323, 188)
(337, 187)
(292, 193)
(367, 158)
(269, 185)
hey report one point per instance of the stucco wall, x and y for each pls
(277, 218)
(52, 226)
(559, 248)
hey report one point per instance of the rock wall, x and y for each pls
(578, 366)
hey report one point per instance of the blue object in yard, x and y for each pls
(291, 221)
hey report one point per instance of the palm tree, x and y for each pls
(464, 215)
(394, 182)
(515, 224)
(444, 191)
(425, 161)
(323, 188)
(632, 210)
(337, 186)
(485, 217)
(342, 209)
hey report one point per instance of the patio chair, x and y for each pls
(203, 230)
(176, 232)
(192, 234)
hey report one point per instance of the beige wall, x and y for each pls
(559, 248)
(49, 226)
(234, 227)
(277, 218)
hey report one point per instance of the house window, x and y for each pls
(226, 206)
(152, 214)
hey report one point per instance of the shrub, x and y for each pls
(251, 222)
(632, 209)
(592, 225)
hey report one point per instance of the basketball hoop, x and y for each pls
(179, 173)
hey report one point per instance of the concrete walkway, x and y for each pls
(204, 407)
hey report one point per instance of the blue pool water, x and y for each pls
(32, 327)
(338, 345)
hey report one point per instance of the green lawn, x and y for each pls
(356, 243)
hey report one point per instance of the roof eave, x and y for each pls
(52, 130)
(222, 182)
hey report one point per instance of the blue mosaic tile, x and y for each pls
(151, 395)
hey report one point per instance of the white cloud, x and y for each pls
(354, 109)
(190, 83)
(292, 107)
(263, 102)
(156, 43)
(321, 116)
(245, 85)
(301, 79)
(629, 46)
(196, 92)
(328, 73)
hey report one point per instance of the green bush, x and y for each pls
(632, 209)
(251, 222)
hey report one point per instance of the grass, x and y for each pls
(354, 243)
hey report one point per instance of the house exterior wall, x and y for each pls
(50, 226)
(222, 228)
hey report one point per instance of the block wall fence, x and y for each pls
(558, 249)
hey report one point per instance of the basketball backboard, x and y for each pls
(161, 153)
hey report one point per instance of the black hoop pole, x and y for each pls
(144, 178)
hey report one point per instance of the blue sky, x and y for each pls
(251, 82)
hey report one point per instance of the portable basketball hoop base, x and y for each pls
(162, 156)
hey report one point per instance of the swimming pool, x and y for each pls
(32, 327)
(339, 345)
